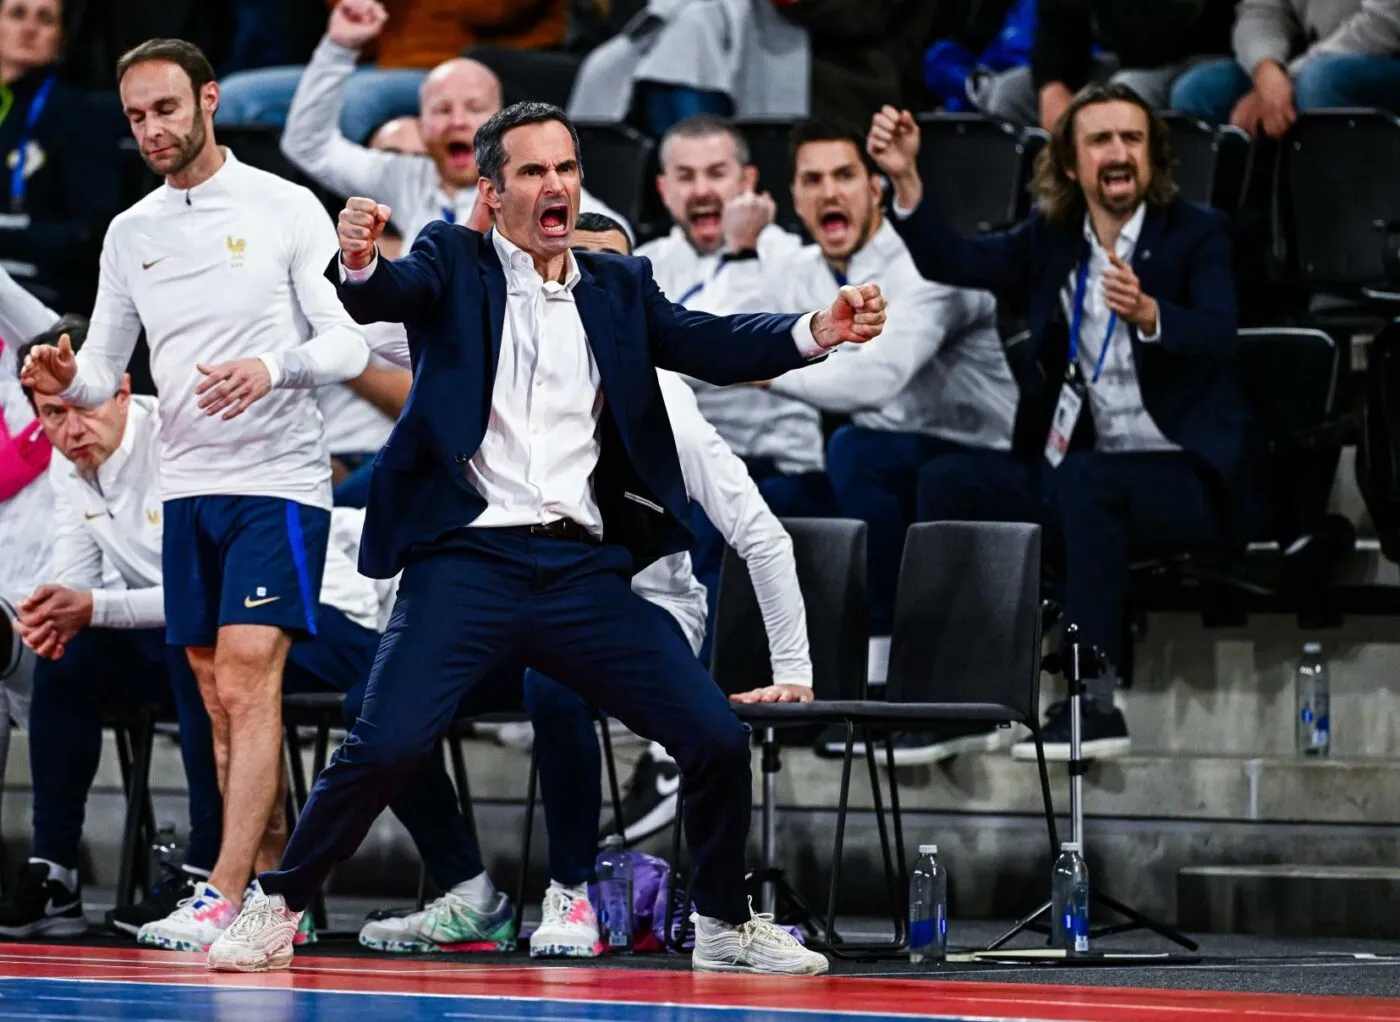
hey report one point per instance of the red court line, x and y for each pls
(832, 994)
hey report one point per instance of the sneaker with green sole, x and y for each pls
(448, 924)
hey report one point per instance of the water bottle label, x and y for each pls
(922, 932)
(1081, 942)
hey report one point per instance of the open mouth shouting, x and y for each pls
(554, 220)
(835, 227)
(705, 219)
(1118, 181)
(460, 155)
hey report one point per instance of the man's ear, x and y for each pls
(487, 192)
(209, 98)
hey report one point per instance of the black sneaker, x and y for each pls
(174, 887)
(40, 907)
(649, 805)
(1103, 733)
(831, 743)
(917, 748)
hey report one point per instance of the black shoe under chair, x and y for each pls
(174, 887)
(649, 806)
(40, 907)
(1104, 734)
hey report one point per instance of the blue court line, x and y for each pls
(38, 1000)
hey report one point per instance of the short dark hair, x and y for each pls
(185, 55)
(601, 223)
(72, 324)
(702, 125)
(804, 132)
(490, 137)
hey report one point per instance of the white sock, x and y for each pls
(577, 891)
(658, 753)
(65, 876)
(478, 892)
(877, 664)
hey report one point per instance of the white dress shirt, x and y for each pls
(755, 423)
(1121, 421)
(938, 368)
(354, 425)
(717, 480)
(116, 522)
(233, 268)
(408, 184)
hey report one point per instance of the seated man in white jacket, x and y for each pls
(456, 98)
(937, 382)
(471, 915)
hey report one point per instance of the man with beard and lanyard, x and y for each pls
(937, 383)
(1131, 429)
(222, 267)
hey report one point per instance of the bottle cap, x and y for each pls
(928, 849)
(1312, 648)
(1070, 846)
(613, 841)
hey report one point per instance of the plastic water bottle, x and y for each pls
(928, 908)
(165, 856)
(1069, 900)
(1313, 722)
(614, 869)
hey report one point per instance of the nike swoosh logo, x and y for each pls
(57, 910)
(100, 514)
(147, 266)
(250, 603)
(668, 785)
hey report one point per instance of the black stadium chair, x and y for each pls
(975, 169)
(1212, 162)
(260, 145)
(616, 166)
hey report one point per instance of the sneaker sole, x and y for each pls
(1101, 748)
(994, 741)
(699, 964)
(49, 926)
(427, 947)
(566, 951)
(172, 944)
(277, 964)
(130, 929)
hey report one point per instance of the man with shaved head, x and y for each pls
(456, 98)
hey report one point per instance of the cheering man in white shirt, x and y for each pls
(455, 99)
(221, 266)
(471, 914)
(937, 382)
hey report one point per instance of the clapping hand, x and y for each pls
(857, 315)
(1122, 292)
(48, 368)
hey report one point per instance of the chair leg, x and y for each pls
(1045, 795)
(531, 785)
(610, 763)
(892, 875)
(832, 939)
(137, 794)
(677, 898)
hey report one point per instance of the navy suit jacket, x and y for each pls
(1182, 259)
(450, 293)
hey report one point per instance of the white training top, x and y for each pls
(119, 517)
(233, 268)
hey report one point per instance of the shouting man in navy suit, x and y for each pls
(532, 472)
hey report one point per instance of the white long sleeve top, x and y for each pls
(233, 268)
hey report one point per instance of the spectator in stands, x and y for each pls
(457, 98)
(400, 135)
(1146, 44)
(61, 183)
(471, 915)
(720, 221)
(101, 644)
(936, 384)
(417, 35)
(1130, 432)
(1298, 55)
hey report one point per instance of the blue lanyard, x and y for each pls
(693, 290)
(1081, 285)
(18, 184)
(840, 278)
(449, 214)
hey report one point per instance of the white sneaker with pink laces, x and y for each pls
(260, 939)
(569, 928)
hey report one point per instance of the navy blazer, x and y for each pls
(1182, 259)
(450, 293)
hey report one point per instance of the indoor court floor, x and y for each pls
(72, 981)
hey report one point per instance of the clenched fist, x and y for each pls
(49, 369)
(355, 22)
(857, 315)
(744, 218)
(361, 223)
(893, 143)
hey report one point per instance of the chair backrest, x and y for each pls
(260, 145)
(1289, 378)
(1337, 196)
(967, 617)
(830, 555)
(768, 152)
(1212, 162)
(615, 165)
(1378, 447)
(975, 170)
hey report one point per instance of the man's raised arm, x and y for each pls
(376, 290)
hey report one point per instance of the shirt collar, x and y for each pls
(1127, 236)
(111, 470)
(217, 182)
(520, 268)
(876, 254)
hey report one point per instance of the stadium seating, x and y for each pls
(1212, 162)
(975, 170)
(615, 166)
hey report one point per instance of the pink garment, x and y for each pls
(23, 457)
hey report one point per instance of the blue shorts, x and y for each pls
(241, 561)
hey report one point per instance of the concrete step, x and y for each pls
(1289, 900)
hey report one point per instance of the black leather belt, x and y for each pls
(562, 528)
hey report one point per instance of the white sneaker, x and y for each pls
(569, 928)
(194, 925)
(260, 939)
(756, 946)
(449, 924)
